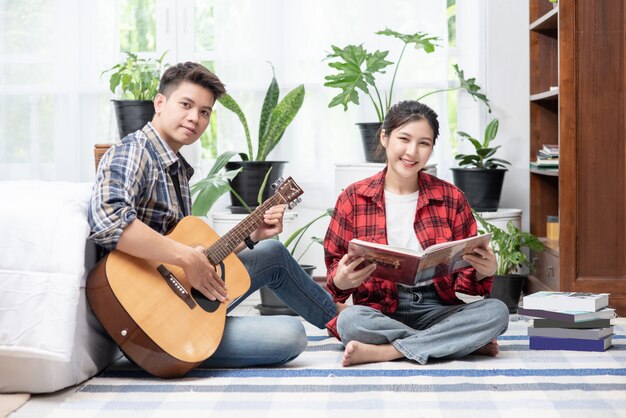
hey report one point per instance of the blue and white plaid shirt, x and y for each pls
(133, 183)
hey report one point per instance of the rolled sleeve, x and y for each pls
(113, 201)
(336, 242)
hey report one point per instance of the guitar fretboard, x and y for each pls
(227, 243)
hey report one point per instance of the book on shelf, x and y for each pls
(567, 316)
(551, 149)
(566, 301)
(581, 334)
(553, 323)
(549, 163)
(541, 154)
(573, 344)
(409, 267)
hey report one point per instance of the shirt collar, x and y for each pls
(166, 155)
(374, 187)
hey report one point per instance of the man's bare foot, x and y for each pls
(359, 353)
(489, 349)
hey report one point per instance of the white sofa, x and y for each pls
(49, 338)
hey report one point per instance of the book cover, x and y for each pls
(552, 323)
(566, 301)
(410, 267)
(581, 334)
(553, 163)
(552, 149)
(572, 344)
(568, 316)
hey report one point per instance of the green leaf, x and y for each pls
(487, 152)
(221, 161)
(501, 161)
(471, 87)
(229, 103)
(281, 117)
(508, 245)
(490, 132)
(269, 103)
(209, 190)
(297, 235)
(471, 139)
(355, 70)
(136, 78)
(259, 197)
(420, 40)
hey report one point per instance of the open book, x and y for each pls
(410, 267)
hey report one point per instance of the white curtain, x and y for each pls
(53, 104)
(296, 35)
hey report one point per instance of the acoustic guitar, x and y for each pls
(151, 311)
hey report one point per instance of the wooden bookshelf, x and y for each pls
(577, 100)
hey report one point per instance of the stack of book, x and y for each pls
(569, 321)
(547, 158)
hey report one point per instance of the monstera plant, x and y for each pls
(356, 71)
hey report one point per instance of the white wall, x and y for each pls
(506, 75)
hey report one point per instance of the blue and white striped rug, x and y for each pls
(519, 382)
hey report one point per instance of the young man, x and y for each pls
(142, 191)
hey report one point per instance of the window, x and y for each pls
(53, 103)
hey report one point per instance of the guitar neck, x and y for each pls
(227, 243)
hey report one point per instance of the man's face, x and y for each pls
(182, 117)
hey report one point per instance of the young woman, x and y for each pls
(403, 206)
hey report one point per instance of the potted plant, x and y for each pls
(508, 246)
(274, 120)
(357, 69)
(270, 303)
(481, 175)
(213, 186)
(136, 83)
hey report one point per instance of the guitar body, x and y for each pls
(158, 329)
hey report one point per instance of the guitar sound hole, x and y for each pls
(202, 301)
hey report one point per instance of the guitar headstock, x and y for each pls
(288, 190)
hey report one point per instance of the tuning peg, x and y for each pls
(291, 205)
(277, 183)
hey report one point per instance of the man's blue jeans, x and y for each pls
(423, 327)
(271, 340)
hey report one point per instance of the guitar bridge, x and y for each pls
(176, 287)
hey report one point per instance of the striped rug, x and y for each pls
(519, 382)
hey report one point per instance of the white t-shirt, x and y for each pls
(400, 216)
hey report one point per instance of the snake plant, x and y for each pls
(275, 118)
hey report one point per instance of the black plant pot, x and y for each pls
(482, 187)
(370, 141)
(132, 115)
(508, 289)
(272, 305)
(248, 182)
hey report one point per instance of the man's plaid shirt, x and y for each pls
(133, 182)
(442, 215)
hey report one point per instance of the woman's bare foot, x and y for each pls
(340, 307)
(359, 353)
(489, 349)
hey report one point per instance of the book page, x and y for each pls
(447, 258)
(387, 247)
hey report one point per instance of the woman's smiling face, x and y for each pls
(408, 149)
